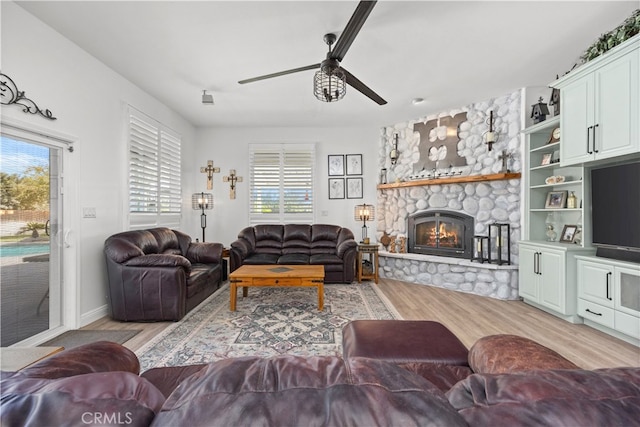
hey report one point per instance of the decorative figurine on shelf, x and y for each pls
(555, 99)
(572, 201)
(385, 240)
(392, 244)
(383, 176)
(402, 247)
(539, 111)
(551, 225)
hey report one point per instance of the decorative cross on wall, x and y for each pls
(232, 179)
(504, 157)
(209, 170)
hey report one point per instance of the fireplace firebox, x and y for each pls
(441, 232)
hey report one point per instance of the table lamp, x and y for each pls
(364, 213)
(202, 201)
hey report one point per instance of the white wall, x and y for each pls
(89, 101)
(229, 149)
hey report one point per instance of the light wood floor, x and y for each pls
(471, 317)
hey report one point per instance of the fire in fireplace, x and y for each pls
(441, 232)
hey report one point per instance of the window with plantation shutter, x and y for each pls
(281, 189)
(154, 173)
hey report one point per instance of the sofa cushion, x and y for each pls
(297, 239)
(294, 259)
(326, 259)
(167, 378)
(200, 277)
(260, 258)
(84, 359)
(167, 240)
(500, 354)
(269, 238)
(105, 398)
(550, 398)
(305, 391)
(442, 376)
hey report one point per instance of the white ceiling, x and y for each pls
(451, 53)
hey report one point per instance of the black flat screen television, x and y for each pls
(615, 207)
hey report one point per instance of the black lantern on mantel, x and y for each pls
(499, 243)
(539, 111)
(480, 249)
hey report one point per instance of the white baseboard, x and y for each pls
(93, 315)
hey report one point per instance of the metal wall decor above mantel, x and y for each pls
(451, 180)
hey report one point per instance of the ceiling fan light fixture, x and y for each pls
(329, 86)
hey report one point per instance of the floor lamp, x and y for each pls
(202, 201)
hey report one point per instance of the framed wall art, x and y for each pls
(354, 164)
(354, 188)
(336, 164)
(336, 188)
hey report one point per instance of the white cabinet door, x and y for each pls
(616, 108)
(595, 281)
(627, 290)
(576, 120)
(552, 280)
(528, 278)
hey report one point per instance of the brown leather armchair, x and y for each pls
(159, 274)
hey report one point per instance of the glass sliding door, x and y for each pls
(30, 238)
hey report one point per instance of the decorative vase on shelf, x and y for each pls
(572, 201)
(551, 227)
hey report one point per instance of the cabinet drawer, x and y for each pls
(596, 313)
(285, 281)
(627, 324)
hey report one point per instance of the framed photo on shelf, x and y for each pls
(336, 188)
(354, 188)
(336, 164)
(354, 164)
(568, 233)
(546, 159)
(556, 200)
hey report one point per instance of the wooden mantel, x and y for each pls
(451, 180)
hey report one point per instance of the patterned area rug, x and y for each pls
(270, 321)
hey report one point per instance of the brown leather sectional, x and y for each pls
(508, 381)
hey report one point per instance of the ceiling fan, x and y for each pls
(332, 74)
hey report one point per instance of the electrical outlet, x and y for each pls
(88, 212)
(324, 213)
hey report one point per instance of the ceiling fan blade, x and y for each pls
(281, 73)
(362, 88)
(352, 29)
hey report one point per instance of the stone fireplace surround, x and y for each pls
(486, 201)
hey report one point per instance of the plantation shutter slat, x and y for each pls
(154, 171)
(281, 183)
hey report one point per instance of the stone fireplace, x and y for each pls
(440, 232)
(440, 210)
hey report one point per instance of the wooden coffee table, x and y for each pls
(276, 275)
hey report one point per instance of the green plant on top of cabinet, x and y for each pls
(599, 102)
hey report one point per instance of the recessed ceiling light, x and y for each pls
(417, 101)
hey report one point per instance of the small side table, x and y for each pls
(369, 254)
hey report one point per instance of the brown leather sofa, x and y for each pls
(295, 244)
(509, 380)
(159, 274)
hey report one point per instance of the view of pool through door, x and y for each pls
(30, 236)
